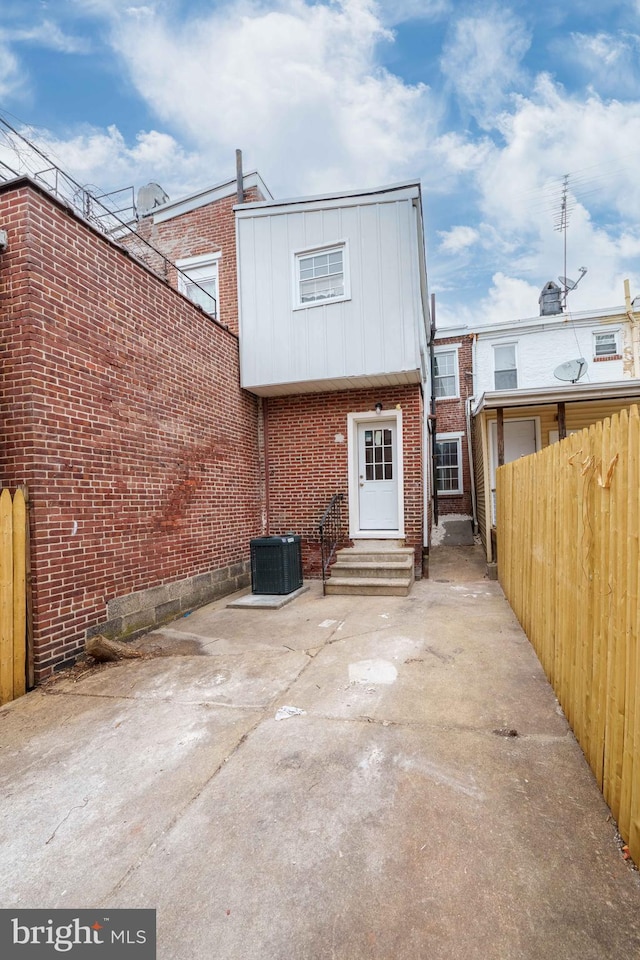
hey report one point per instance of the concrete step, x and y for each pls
(369, 586)
(378, 568)
(402, 567)
(394, 557)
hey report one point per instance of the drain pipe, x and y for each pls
(472, 472)
(267, 465)
(432, 416)
(239, 178)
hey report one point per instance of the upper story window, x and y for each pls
(505, 367)
(605, 345)
(321, 275)
(199, 281)
(445, 373)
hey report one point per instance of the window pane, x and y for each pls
(445, 386)
(605, 344)
(323, 288)
(445, 374)
(321, 276)
(204, 294)
(506, 379)
(505, 356)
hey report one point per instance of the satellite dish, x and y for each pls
(150, 197)
(569, 284)
(571, 370)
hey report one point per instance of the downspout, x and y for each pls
(239, 178)
(423, 345)
(472, 470)
(265, 445)
(432, 416)
(635, 330)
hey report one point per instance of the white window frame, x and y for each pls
(300, 255)
(616, 342)
(439, 351)
(450, 438)
(200, 265)
(506, 343)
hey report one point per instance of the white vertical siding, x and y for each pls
(374, 332)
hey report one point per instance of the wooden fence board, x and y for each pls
(568, 556)
(6, 597)
(631, 741)
(13, 595)
(19, 594)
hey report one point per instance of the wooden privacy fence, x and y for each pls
(13, 595)
(568, 524)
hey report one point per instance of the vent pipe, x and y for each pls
(239, 177)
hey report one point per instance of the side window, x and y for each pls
(321, 275)
(506, 371)
(198, 280)
(449, 463)
(446, 373)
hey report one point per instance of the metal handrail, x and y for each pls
(330, 530)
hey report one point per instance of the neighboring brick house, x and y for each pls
(122, 413)
(198, 235)
(453, 389)
(149, 467)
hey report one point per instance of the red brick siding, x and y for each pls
(207, 229)
(306, 466)
(451, 418)
(121, 410)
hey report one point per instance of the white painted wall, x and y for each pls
(377, 331)
(541, 347)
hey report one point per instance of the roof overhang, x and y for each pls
(350, 198)
(571, 393)
(175, 208)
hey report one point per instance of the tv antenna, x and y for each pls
(567, 203)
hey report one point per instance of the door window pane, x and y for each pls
(378, 454)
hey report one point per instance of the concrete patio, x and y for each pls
(430, 801)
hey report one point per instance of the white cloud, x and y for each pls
(297, 87)
(482, 60)
(593, 140)
(11, 79)
(510, 298)
(46, 34)
(400, 11)
(458, 238)
(610, 63)
(102, 159)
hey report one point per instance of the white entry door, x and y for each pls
(520, 439)
(378, 475)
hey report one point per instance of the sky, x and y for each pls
(499, 109)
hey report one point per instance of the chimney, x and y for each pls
(550, 299)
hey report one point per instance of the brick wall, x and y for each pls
(451, 418)
(121, 410)
(207, 229)
(307, 466)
